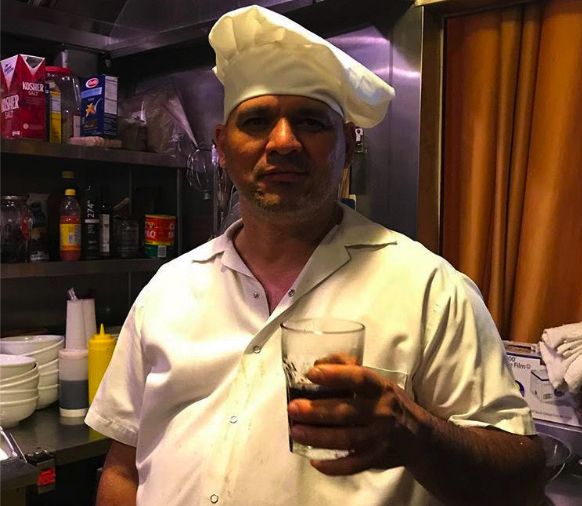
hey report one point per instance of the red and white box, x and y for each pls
(23, 97)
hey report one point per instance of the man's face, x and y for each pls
(285, 153)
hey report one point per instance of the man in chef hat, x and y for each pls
(195, 394)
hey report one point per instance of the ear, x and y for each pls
(220, 136)
(350, 140)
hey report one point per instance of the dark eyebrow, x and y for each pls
(259, 110)
(314, 112)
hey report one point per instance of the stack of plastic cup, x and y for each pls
(89, 317)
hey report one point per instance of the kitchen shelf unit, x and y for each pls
(39, 288)
(80, 268)
(96, 154)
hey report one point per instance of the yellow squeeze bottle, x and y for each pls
(101, 348)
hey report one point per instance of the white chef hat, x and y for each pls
(260, 52)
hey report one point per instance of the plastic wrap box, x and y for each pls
(531, 376)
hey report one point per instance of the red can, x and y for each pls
(160, 231)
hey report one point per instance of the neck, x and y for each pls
(283, 241)
(276, 250)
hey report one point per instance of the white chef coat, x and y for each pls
(196, 381)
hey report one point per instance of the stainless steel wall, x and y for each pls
(156, 16)
(385, 177)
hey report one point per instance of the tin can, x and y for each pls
(160, 231)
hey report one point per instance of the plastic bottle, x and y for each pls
(91, 225)
(53, 211)
(105, 223)
(101, 348)
(65, 81)
(55, 117)
(70, 226)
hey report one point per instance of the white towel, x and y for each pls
(573, 376)
(561, 350)
(556, 336)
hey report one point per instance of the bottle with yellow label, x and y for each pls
(70, 227)
(101, 348)
(54, 119)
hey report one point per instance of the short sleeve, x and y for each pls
(464, 376)
(115, 411)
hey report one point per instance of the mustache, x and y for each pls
(291, 162)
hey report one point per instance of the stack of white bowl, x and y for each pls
(18, 388)
(45, 350)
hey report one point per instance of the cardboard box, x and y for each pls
(23, 97)
(99, 106)
(531, 376)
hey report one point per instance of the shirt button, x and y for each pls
(291, 293)
(257, 349)
(213, 498)
(256, 295)
(233, 419)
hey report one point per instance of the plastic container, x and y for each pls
(16, 222)
(70, 101)
(101, 348)
(73, 382)
(70, 227)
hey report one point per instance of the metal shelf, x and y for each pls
(69, 151)
(80, 268)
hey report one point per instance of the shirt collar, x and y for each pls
(217, 245)
(357, 230)
(353, 231)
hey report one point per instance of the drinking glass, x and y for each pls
(309, 342)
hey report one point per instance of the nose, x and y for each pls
(282, 139)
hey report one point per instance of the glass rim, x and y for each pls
(289, 326)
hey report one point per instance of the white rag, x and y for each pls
(561, 350)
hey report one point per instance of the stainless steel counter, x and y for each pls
(70, 440)
(566, 489)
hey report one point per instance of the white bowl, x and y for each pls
(47, 395)
(20, 345)
(47, 354)
(12, 412)
(22, 384)
(48, 378)
(53, 365)
(14, 365)
(25, 375)
(17, 395)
